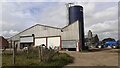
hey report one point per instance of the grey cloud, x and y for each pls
(101, 16)
(55, 16)
(104, 35)
(17, 17)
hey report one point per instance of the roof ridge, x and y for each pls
(34, 26)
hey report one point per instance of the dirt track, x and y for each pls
(106, 57)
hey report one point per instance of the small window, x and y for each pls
(61, 30)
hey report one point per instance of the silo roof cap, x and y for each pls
(76, 6)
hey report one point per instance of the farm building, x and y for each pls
(91, 40)
(69, 37)
(3, 42)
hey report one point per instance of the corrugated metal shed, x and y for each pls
(71, 32)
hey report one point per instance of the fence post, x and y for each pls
(40, 54)
(27, 51)
(14, 52)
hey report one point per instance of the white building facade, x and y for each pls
(67, 37)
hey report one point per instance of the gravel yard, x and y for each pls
(96, 57)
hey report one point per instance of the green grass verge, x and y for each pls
(59, 60)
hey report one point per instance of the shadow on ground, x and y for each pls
(105, 49)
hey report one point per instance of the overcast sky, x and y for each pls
(100, 17)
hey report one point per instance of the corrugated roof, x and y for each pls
(42, 25)
(37, 25)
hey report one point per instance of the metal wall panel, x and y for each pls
(31, 31)
(71, 32)
(53, 41)
(38, 31)
(16, 37)
(42, 31)
(69, 44)
(39, 41)
(26, 39)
